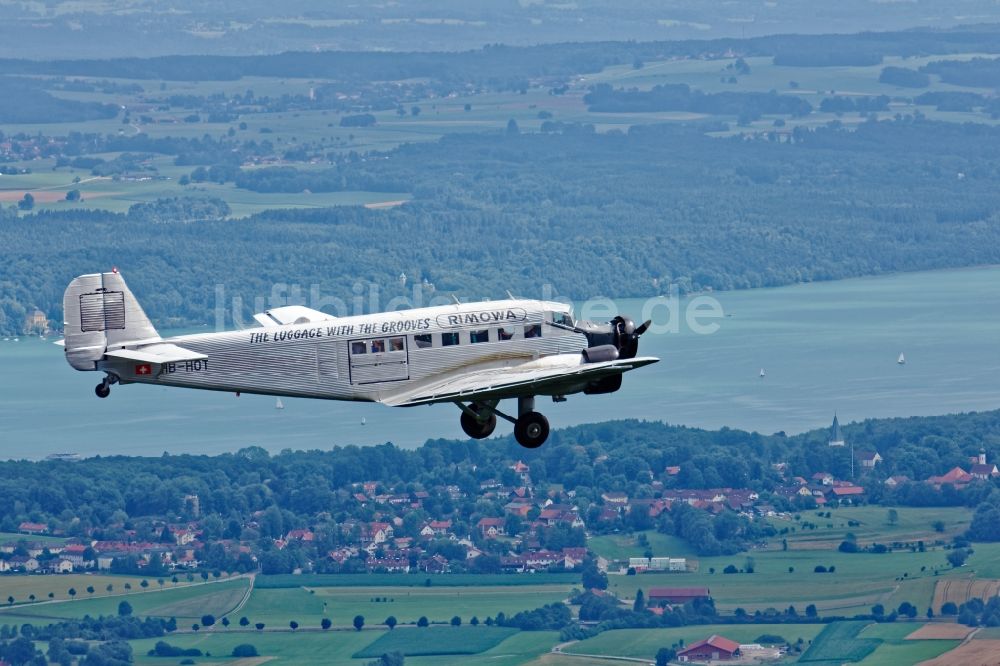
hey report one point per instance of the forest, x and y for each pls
(618, 214)
(509, 68)
(679, 97)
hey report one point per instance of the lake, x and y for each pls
(826, 347)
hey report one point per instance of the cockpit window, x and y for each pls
(562, 319)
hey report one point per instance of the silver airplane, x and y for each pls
(471, 354)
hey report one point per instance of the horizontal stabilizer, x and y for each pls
(158, 353)
(290, 314)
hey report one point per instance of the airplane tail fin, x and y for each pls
(100, 313)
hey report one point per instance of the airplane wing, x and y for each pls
(157, 353)
(549, 376)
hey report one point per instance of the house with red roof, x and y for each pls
(713, 648)
(33, 528)
(300, 535)
(956, 476)
(491, 528)
(676, 595)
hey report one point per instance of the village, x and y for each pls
(515, 529)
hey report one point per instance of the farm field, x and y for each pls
(438, 117)
(840, 642)
(907, 653)
(870, 525)
(438, 604)
(412, 580)
(437, 640)
(22, 586)
(14, 537)
(302, 648)
(338, 647)
(958, 591)
(973, 652)
(643, 643)
(624, 546)
(860, 579)
(186, 602)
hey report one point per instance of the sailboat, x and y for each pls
(278, 404)
(902, 359)
(763, 373)
(363, 421)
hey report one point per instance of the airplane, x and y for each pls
(470, 354)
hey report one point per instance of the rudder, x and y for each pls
(100, 313)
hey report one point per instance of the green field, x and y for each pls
(285, 647)
(187, 602)
(643, 643)
(412, 580)
(338, 647)
(22, 586)
(15, 537)
(840, 642)
(860, 580)
(624, 546)
(907, 653)
(913, 524)
(438, 640)
(896, 650)
(439, 604)
(439, 117)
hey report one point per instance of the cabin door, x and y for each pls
(374, 360)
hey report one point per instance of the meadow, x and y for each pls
(340, 647)
(870, 524)
(22, 587)
(185, 602)
(276, 607)
(840, 642)
(438, 641)
(895, 650)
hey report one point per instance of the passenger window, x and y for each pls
(422, 341)
(479, 336)
(506, 333)
(533, 331)
(358, 348)
(448, 339)
(395, 344)
(378, 346)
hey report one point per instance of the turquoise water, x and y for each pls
(826, 347)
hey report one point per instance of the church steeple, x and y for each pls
(836, 438)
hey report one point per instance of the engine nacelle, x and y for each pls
(600, 353)
(604, 385)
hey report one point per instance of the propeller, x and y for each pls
(627, 335)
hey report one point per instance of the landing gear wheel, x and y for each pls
(531, 430)
(477, 429)
(102, 390)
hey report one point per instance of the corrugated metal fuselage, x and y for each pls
(365, 358)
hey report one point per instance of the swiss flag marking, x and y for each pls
(143, 369)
